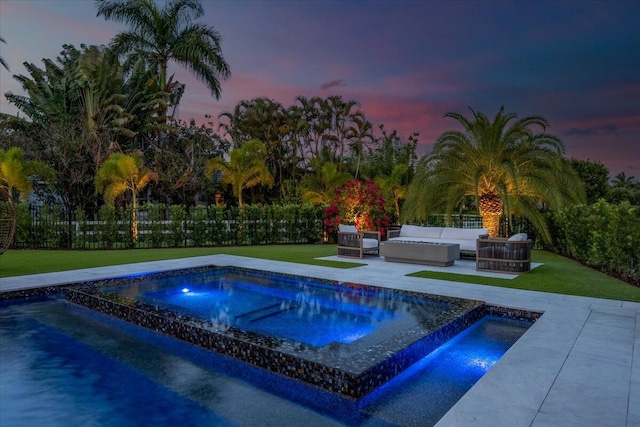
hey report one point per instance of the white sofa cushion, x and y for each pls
(520, 237)
(346, 228)
(368, 243)
(465, 244)
(418, 231)
(449, 233)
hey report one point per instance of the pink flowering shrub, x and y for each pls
(359, 203)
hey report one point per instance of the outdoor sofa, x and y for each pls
(465, 237)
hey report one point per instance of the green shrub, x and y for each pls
(81, 234)
(177, 235)
(23, 226)
(198, 225)
(602, 235)
(107, 226)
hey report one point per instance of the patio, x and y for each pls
(579, 364)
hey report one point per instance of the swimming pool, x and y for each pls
(62, 364)
(393, 328)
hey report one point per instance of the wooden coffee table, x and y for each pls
(438, 254)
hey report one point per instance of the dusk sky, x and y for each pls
(577, 63)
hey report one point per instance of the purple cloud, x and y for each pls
(599, 130)
(332, 83)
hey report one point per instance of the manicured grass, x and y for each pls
(558, 274)
(21, 262)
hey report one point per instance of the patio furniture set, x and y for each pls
(439, 246)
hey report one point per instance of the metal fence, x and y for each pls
(50, 227)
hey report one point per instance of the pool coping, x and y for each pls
(579, 364)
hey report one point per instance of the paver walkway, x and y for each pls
(578, 365)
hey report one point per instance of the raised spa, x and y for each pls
(343, 337)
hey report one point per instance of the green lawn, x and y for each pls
(558, 274)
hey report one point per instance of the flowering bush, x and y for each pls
(359, 203)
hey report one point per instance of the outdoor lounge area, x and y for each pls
(439, 246)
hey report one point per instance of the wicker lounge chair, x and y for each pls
(355, 244)
(512, 255)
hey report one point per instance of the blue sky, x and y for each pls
(577, 63)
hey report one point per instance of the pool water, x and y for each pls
(297, 309)
(346, 338)
(61, 364)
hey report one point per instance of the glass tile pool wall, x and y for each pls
(415, 323)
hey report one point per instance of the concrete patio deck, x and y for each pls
(578, 365)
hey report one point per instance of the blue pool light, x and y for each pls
(185, 290)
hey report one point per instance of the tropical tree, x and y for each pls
(344, 117)
(81, 108)
(504, 163)
(2, 61)
(624, 188)
(394, 186)
(170, 33)
(121, 173)
(245, 169)
(361, 135)
(595, 177)
(15, 172)
(319, 188)
(388, 151)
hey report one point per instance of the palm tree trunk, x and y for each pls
(134, 217)
(490, 207)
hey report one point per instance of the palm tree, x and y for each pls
(319, 188)
(14, 177)
(361, 133)
(245, 169)
(394, 186)
(119, 174)
(12, 172)
(508, 167)
(622, 181)
(161, 35)
(15, 172)
(2, 61)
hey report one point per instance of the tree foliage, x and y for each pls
(245, 168)
(171, 33)
(508, 167)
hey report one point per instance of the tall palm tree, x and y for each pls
(504, 163)
(361, 135)
(2, 61)
(245, 169)
(119, 174)
(170, 33)
(343, 115)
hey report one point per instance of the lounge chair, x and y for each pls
(355, 244)
(512, 255)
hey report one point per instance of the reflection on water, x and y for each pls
(64, 365)
(304, 311)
